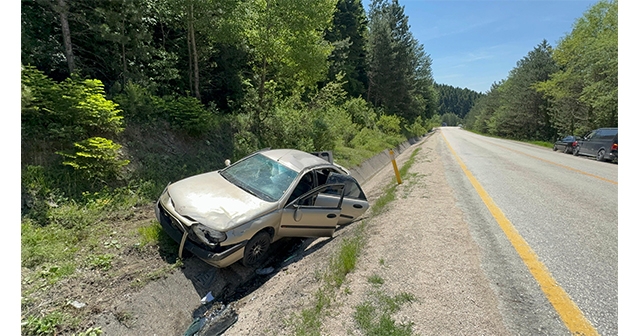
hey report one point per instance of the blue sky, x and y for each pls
(475, 43)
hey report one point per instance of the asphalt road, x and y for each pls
(564, 207)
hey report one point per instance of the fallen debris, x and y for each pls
(207, 298)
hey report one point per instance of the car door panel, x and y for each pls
(314, 214)
(354, 203)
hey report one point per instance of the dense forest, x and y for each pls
(569, 89)
(312, 75)
(454, 103)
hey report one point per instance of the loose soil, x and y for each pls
(420, 245)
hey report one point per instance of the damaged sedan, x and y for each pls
(235, 213)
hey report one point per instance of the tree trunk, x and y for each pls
(190, 57)
(196, 75)
(66, 34)
(124, 55)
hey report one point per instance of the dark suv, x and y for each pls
(601, 143)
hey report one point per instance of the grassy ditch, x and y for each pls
(374, 316)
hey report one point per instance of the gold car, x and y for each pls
(236, 212)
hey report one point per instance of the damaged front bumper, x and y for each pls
(226, 255)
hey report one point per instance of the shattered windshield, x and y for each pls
(260, 176)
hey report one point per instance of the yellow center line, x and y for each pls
(557, 164)
(569, 312)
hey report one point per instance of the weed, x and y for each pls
(150, 234)
(90, 332)
(373, 317)
(124, 317)
(102, 262)
(46, 325)
(375, 279)
(54, 273)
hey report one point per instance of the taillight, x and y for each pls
(575, 143)
(614, 147)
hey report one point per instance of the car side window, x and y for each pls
(328, 196)
(351, 187)
(608, 134)
(305, 184)
(323, 174)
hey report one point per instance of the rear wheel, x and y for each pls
(576, 150)
(600, 156)
(555, 148)
(256, 249)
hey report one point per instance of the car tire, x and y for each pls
(566, 150)
(555, 148)
(600, 156)
(256, 249)
(576, 150)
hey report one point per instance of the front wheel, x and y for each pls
(256, 249)
(601, 155)
(555, 148)
(576, 150)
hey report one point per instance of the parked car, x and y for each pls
(566, 143)
(601, 143)
(236, 212)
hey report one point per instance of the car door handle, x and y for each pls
(357, 206)
(331, 216)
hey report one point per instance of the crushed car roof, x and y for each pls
(294, 159)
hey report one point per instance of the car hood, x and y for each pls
(215, 202)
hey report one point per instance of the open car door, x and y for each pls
(314, 214)
(354, 203)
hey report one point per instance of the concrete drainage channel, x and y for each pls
(217, 313)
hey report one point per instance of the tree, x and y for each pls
(455, 100)
(287, 48)
(584, 92)
(523, 112)
(400, 78)
(348, 36)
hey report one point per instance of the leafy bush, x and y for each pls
(187, 114)
(73, 109)
(418, 127)
(137, 103)
(389, 124)
(96, 157)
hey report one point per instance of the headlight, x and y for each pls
(208, 236)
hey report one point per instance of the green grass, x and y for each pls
(309, 321)
(541, 143)
(389, 192)
(375, 279)
(533, 142)
(374, 316)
